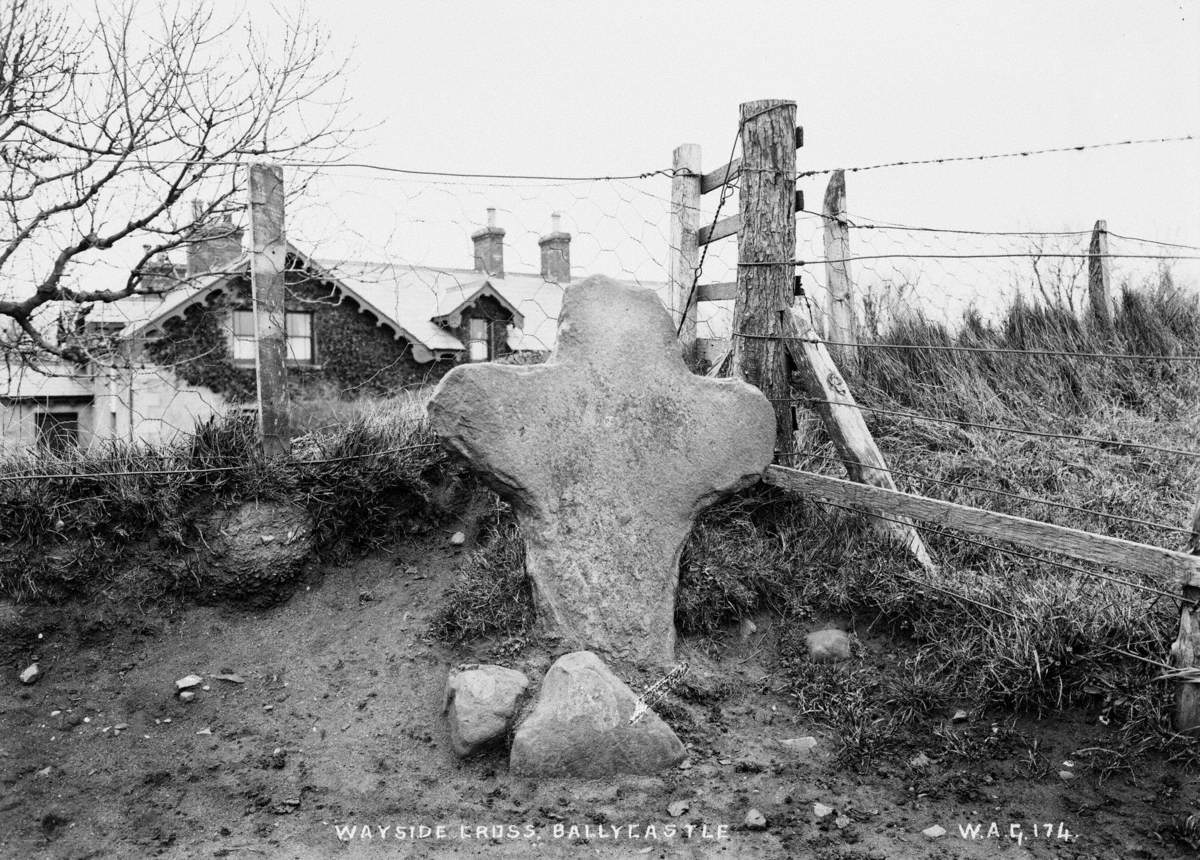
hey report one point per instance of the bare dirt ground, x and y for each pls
(337, 724)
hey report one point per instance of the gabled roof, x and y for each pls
(409, 300)
(468, 294)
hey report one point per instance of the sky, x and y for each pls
(610, 88)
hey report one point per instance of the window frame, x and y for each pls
(236, 337)
(483, 337)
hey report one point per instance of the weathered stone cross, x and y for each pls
(607, 452)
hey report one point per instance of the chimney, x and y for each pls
(556, 253)
(489, 247)
(215, 245)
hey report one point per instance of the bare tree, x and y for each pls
(111, 122)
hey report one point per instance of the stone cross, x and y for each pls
(607, 453)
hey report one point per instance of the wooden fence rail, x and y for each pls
(770, 340)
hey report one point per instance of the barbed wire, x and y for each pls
(385, 168)
(852, 219)
(1006, 493)
(1021, 431)
(998, 155)
(1044, 353)
(913, 255)
(201, 470)
(667, 171)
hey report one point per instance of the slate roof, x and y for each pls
(406, 298)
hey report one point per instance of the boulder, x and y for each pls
(582, 725)
(480, 704)
(828, 646)
(254, 552)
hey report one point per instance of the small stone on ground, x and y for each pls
(934, 832)
(755, 820)
(802, 747)
(480, 704)
(31, 674)
(828, 646)
(188, 681)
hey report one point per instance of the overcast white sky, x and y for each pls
(611, 87)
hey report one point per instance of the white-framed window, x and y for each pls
(477, 340)
(298, 331)
(298, 335)
(244, 347)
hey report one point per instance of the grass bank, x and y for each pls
(994, 629)
(78, 522)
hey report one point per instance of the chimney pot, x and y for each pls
(213, 247)
(556, 253)
(489, 247)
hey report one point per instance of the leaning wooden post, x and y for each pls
(685, 249)
(842, 304)
(1185, 652)
(267, 262)
(1099, 282)
(766, 252)
(847, 428)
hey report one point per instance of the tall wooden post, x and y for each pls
(842, 302)
(1185, 652)
(267, 262)
(1099, 284)
(685, 250)
(766, 254)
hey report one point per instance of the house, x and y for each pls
(353, 329)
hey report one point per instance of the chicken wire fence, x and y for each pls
(379, 249)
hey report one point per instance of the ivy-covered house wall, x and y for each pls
(352, 356)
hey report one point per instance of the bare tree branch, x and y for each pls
(110, 123)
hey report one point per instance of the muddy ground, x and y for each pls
(337, 725)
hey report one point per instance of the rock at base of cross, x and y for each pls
(583, 725)
(480, 704)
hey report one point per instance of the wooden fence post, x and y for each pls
(1099, 284)
(847, 428)
(1185, 653)
(268, 259)
(685, 250)
(766, 253)
(842, 303)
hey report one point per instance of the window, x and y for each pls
(244, 348)
(477, 342)
(298, 334)
(57, 431)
